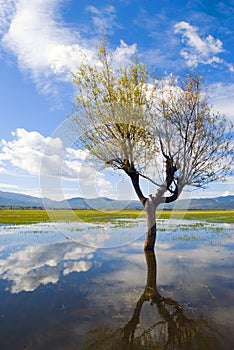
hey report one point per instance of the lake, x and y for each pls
(87, 286)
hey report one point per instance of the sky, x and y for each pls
(42, 41)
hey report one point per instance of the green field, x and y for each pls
(224, 216)
(30, 216)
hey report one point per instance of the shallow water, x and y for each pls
(81, 286)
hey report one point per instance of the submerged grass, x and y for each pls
(222, 216)
(29, 216)
(186, 238)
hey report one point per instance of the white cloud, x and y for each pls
(44, 47)
(7, 9)
(27, 149)
(104, 18)
(222, 98)
(124, 52)
(199, 50)
(47, 157)
(77, 153)
(51, 50)
(35, 154)
(3, 171)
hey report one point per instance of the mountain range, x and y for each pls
(16, 200)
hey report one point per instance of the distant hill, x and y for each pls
(9, 199)
(16, 200)
(222, 202)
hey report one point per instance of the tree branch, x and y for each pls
(174, 196)
(170, 179)
(149, 179)
(134, 176)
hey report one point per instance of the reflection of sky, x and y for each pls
(198, 271)
(91, 287)
(34, 255)
(31, 255)
(42, 264)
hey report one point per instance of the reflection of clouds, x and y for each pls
(76, 252)
(95, 235)
(200, 275)
(107, 295)
(76, 266)
(124, 280)
(36, 254)
(42, 264)
(107, 235)
(38, 257)
(191, 267)
(31, 280)
(182, 273)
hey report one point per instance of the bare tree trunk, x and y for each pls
(150, 239)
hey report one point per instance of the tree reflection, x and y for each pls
(171, 330)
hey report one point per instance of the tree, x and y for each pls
(171, 329)
(159, 129)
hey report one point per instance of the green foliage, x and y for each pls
(111, 104)
(161, 129)
(196, 139)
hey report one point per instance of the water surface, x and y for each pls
(83, 286)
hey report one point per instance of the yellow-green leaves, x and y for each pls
(128, 114)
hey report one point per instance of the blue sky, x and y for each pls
(42, 40)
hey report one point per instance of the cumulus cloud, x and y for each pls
(124, 52)
(198, 49)
(33, 32)
(26, 150)
(34, 154)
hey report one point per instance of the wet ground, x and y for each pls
(78, 286)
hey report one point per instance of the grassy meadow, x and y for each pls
(30, 216)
